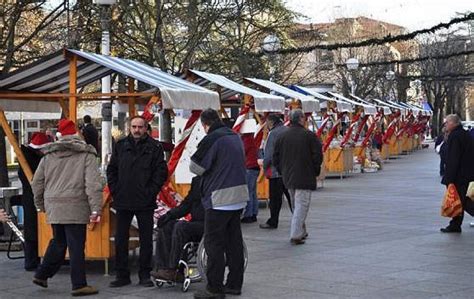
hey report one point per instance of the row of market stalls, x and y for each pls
(346, 125)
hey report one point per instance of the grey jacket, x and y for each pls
(269, 168)
(67, 183)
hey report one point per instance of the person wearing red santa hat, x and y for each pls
(67, 186)
(33, 155)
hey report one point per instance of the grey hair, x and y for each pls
(454, 118)
(295, 116)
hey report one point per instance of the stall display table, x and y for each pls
(338, 161)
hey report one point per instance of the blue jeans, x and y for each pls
(252, 204)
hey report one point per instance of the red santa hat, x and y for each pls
(66, 127)
(38, 140)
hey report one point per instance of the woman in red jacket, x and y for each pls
(253, 170)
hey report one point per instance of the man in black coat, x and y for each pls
(459, 167)
(91, 136)
(298, 157)
(33, 155)
(173, 234)
(135, 175)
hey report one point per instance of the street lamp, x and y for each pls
(352, 65)
(270, 46)
(106, 144)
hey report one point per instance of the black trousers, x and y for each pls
(277, 189)
(31, 231)
(467, 205)
(73, 238)
(145, 229)
(171, 239)
(224, 245)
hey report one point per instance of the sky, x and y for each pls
(412, 14)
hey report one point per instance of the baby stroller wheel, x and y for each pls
(186, 284)
(159, 284)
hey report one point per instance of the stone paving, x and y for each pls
(370, 236)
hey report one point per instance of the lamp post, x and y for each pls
(352, 65)
(106, 144)
(271, 45)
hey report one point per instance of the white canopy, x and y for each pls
(341, 106)
(368, 109)
(309, 104)
(264, 102)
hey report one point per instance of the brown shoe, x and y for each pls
(296, 241)
(84, 291)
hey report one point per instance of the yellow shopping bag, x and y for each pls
(451, 206)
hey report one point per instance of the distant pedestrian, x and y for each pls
(135, 175)
(220, 161)
(277, 188)
(298, 157)
(253, 170)
(67, 186)
(33, 154)
(91, 136)
(441, 147)
(459, 167)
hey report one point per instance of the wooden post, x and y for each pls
(73, 88)
(12, 139)
(64, 108)
(131, 101)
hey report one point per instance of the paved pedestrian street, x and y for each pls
(372, 235)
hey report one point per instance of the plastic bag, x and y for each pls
(451, 206)
(470, 191)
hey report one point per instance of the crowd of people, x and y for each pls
(67, 187)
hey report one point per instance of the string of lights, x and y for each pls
(373, 41)
(412, 60)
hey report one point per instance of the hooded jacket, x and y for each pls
(220, 161)
(67, 183)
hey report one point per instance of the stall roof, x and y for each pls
(51, 75)
(341, 106)
(309, 104)
(264, 102)
(368, 109)
(386, 110)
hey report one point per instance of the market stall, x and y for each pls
(60, 78)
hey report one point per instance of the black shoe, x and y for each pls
(208, 294)
(246, 220)
(297, 241)
(120, 282)
(254, 218)
(146, 283)
(450, 229)
(41, 282)
(231, 291)
(267, 226)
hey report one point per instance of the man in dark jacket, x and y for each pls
(220, 161)
(33, 156)
(298, 157)
(276, 186)
(173, 234)
(135, 175)
(459, 167)
(91, 136)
